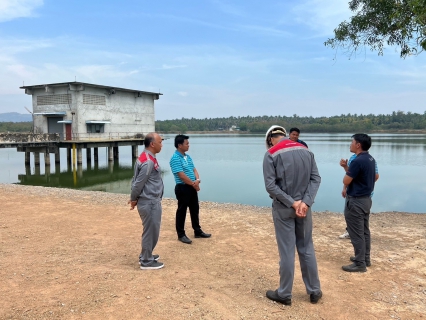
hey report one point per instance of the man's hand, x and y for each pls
(344, 164)
(302, 210)
(196, 185)
(296, 205)
(132, 204)
(344, 192)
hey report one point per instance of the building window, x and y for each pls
(95, 127)
(53, 99)
(94, 99)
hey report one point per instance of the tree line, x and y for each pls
(16, 126)
(396, 121)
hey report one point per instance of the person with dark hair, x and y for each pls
(292, 181)
(146, 194)
(187, 186)
(358, 184)
(294, 136)
(345, 163)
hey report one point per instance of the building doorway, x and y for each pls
(54, 127)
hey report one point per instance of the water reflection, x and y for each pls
(76, 177)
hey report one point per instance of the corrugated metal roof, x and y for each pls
(59, 84)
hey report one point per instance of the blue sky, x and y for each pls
(209, 58)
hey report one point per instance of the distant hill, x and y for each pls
(15, 117)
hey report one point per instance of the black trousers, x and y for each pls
(187, 197)
(357, 216)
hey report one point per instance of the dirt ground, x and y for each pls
(68, 254)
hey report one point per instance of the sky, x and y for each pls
(209, 58)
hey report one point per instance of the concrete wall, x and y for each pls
(27, 137)
(127, 113)
(40, 121)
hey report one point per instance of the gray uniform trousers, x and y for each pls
(357, 216)
(294, 232)
(150, 213)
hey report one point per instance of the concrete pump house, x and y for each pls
(84, 111)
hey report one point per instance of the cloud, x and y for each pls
(322, 16)
(12, 9)
(182, 93)
(166, 66)
(229, 9)
(264, 31)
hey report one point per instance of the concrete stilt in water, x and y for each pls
(135, 151)
(27, 157)
(27, 169)
(89, 157)
(116, 152)
(36, 158)
(46, 158)
(79, 170)
(57, 156)
(110, 154)
(47, 172)
(95, 155)
(69, 155)
(79, 156)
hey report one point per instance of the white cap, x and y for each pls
(272, 130)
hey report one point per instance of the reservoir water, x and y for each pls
(230, 167)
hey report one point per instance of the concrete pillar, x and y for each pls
(46, 158)
(110, 154)
(95, 155)
(69, 155)
(88, 156)
(79, 155)
(37, 170)
(27, 157)
(135, 151)
(116, 152)
(27, 169)
(79, 170)
(57, 156)
(110, 167)
(36, 158)
(47, 172)
(57, 168)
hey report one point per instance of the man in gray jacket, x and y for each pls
(292, 181)
(147, 191)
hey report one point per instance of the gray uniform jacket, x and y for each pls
(147, 183)
(290, 174)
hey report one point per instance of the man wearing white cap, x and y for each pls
(292, 181)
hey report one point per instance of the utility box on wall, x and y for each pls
(84, 111)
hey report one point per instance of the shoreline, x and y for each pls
(420, 131)
(72, 254)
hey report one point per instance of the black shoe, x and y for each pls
(354, 268)
(185, 239)
(273, 295)
(367, 262)
(202, 235)
(315, 297)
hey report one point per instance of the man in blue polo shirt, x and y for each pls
(359, 182)
(187, 186)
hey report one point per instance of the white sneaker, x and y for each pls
(344, 236)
